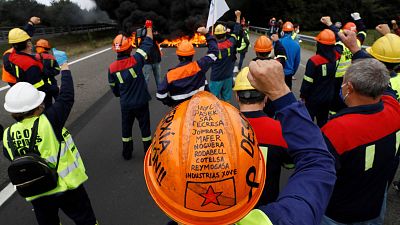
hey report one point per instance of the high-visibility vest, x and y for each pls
(345, 60)
(6, 76)
(243, 45)
(294, 35)
(71, 171)
(395, 83)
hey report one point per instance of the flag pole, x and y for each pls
(215, 10)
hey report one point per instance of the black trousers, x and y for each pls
(288, 80)
(74, 203)
(319, 112)
(142, 114)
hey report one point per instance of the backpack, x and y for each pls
(31, 174)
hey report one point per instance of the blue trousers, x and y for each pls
(222, 89)
(155, 69)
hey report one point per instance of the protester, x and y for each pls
(318, 87)
(54, 144)
(127, 82)
(221, 78)
(292, 49)
(268, 132)
(50, 66)
(152, 63)
(302, 201)
(187, 78)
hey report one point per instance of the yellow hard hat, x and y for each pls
(17, 35)
(204, 165)
(241, 82)
(220, 29)
(386, 49)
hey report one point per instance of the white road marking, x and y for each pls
(70, 63)
(9, 190)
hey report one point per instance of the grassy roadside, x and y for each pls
(75, 44)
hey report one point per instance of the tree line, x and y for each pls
(59, 13)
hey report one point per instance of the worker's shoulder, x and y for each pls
(122, 64)
(318, 60)
(24, 61)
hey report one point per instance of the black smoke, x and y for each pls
(172, 18)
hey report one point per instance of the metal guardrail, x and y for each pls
(40, 31)
(302, 37)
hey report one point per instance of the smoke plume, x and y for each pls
(172, 18)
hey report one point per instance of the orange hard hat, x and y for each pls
(42, 45)
(185, 48)
(121, 43)
(350, 26)
(326, 37)
(263, 44)
(287, 26)
(204, 165)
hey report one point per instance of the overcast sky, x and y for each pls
(86, 4)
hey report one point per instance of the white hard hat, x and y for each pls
(23, 97)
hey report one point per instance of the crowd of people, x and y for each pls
(343, 163)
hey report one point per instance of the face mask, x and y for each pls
(341, 93)
(297, 31)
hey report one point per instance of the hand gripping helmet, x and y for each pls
(121, 43)
(185, 48)
(204, 165)
(263, 44)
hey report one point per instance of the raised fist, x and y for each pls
(149, 24)
(34, 20)
(238, 13)
(202, 30)
(326, 20)
(355, 15)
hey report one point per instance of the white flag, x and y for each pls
(217, 9)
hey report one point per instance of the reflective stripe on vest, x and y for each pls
(294, 35)
(71, 170)
(345, 60)
(243, 44)
(395, 83)
(220, 53)
(255, 217)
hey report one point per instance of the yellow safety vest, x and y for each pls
(71, 171)
(294, 35)
(243, 44)
(255, 217)
(395, 83)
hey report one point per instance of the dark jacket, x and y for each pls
(318, 85)
(126, 78)
(274, 147)
(187, 78)
(304, 199)
(363, 139)
(223, 68)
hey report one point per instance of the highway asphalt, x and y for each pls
(116, 187)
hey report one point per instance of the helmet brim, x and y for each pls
(26, 108)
